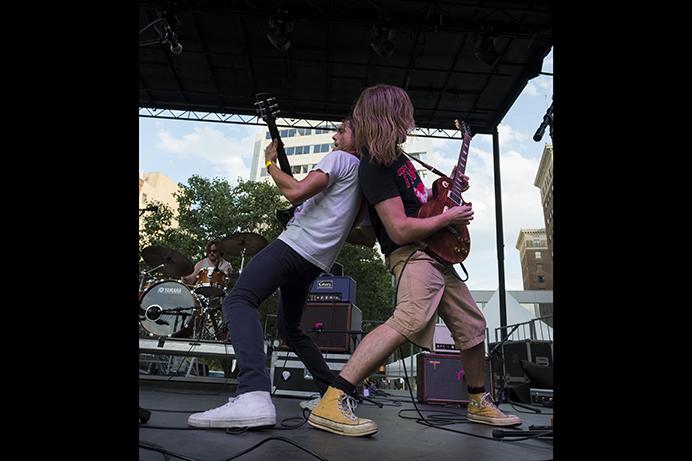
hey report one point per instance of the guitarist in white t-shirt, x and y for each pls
(329, 198)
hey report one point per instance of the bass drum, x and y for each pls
(164, 307)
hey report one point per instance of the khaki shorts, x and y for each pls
(428, 287)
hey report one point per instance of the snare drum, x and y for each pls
(210, 282)
(164, 307)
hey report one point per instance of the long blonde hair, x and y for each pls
(382, 116)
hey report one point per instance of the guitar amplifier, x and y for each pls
(441, 379)
(332, 288)
(442, 340)
(335, 327)
(290, 377)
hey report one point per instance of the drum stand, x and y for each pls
(242, 259)
(144, 273)
(200, 330)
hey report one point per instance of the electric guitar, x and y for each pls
(267, 110)
(452, 243)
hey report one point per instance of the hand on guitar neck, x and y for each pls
(268, 110)
(282, 180)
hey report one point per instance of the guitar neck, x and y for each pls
(280, 151)
(455, 193)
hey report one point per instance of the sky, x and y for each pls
(181, 148)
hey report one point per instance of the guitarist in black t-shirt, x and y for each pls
(426, 285)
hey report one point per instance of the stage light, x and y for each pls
(280, 28)
(484, 49)
(381, 36)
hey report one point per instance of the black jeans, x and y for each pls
(276, 266)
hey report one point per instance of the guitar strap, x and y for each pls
(429, 167)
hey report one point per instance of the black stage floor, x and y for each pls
(172, 402)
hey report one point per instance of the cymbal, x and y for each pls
(234, 244)
(174, 264)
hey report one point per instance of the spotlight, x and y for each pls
(381, 36)
(484, 49)
(280, 26)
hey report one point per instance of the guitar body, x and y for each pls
(452, 243)
(362, 232)
(284, 215)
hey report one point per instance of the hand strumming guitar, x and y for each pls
(462, 214)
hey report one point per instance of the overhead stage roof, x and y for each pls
(435, 50)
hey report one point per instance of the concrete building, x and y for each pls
(306, 146)
(157, 187)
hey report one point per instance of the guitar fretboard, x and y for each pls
(455, 192)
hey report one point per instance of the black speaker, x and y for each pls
(441, 379)
(330, 324)
(513, 352)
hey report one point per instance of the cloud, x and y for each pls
(230, 156)
(531, 89)
(508, 137)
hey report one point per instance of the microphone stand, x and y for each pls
(502, 394)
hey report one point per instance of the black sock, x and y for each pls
(341, 384)
(476, 390)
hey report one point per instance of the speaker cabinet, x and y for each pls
(513, 352)
(290, 377)
(332, 325)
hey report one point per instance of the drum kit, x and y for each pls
(171, 308)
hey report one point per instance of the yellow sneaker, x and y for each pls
(481, 409)
(334, 413)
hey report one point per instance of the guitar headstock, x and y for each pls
(266, 106)
(463, 127)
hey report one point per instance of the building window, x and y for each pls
(290, 150)
(539, 267)
(540, 279)
(538, 255)
(536, 242)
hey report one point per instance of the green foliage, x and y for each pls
(210, 209)
(374, 288)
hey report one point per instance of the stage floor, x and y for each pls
(172, 402)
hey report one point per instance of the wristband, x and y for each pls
(269, 162)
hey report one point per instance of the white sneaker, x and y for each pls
(310, 404)
(250, 409)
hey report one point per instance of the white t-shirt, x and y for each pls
(224, 266)
(322, 223)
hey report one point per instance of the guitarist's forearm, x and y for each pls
(409, 229)
(287, 184)
(414, 229)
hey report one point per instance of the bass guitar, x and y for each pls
(451, 243)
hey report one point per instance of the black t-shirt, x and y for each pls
(380, 183)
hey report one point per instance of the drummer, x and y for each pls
(214, 259)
